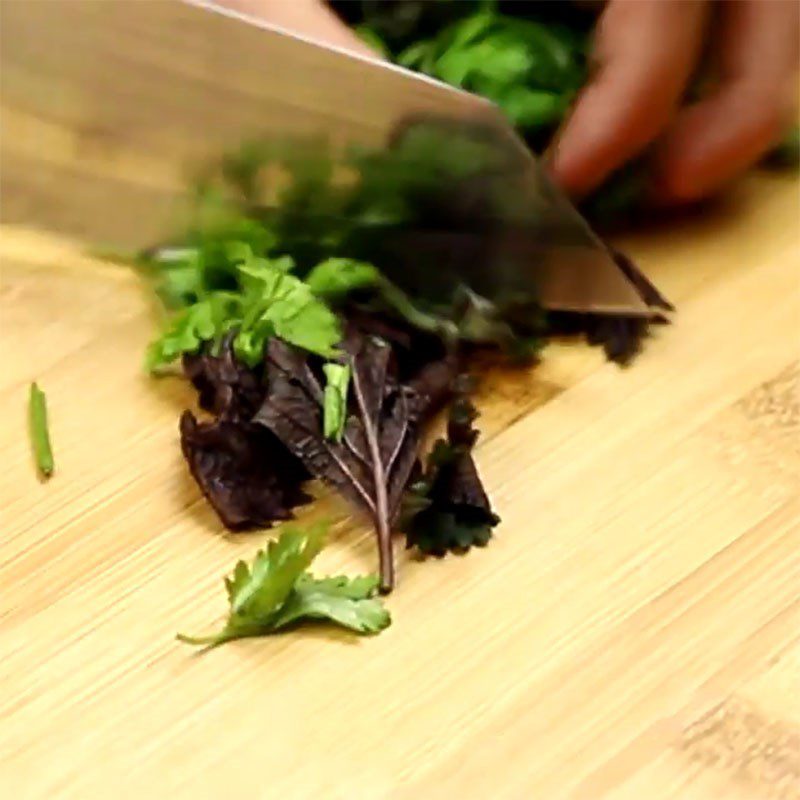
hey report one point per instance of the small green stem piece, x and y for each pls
(39, 433)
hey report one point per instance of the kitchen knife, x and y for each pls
(107, 105)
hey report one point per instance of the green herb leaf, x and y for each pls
(205, 321)
(276, 591)
(371, 39)
(531, 70)
(347, 602)
(275, 571)
(337, 377)
(336, 277)
(529, 107)
(39, 433)
(416, 56)
(266, 300)
(278, 303)
(489, 63)
(358, 588)
(257, 593)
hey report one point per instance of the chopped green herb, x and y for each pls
(39, 433)
(531, 70)
(337, 381)
(531, 59)
(276, 591)
(268, 301)
(349, 602)
(204, 321)
(277, 303)
(370, 38)
(336, 277)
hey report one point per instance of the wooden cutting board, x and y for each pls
(632, 632)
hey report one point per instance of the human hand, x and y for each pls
(646, 52)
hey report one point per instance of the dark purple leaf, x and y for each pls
(413, 350)
(372, 463)
(397, 332)
(621, 336)
(446, 508)
(248, 476)
(292, 412)
(227, 387)
(433, 384)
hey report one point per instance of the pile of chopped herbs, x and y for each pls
(325, 327)
(314, 357)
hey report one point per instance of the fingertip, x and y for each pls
(713, 141)
(607, 127)
(647, 51)
(710, 143)
(568, 172)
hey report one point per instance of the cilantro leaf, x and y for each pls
(276, 591)
(179, 275)
(270, 301)
(337, 377)
(531, 60)
(257, 593)
(278, 303)
(358, 588)
(347, 602)
(336, 277)
(205, 321)
(527, 107)
(531, 70)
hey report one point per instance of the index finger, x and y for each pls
(713, 140)
(646, 50)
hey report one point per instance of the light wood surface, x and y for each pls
(632, 632)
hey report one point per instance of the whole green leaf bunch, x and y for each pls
(532, 71)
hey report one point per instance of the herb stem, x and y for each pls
(197, 640)
(385, 554)
(401, 303)
(39, 433)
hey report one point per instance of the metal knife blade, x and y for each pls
(106, 105)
